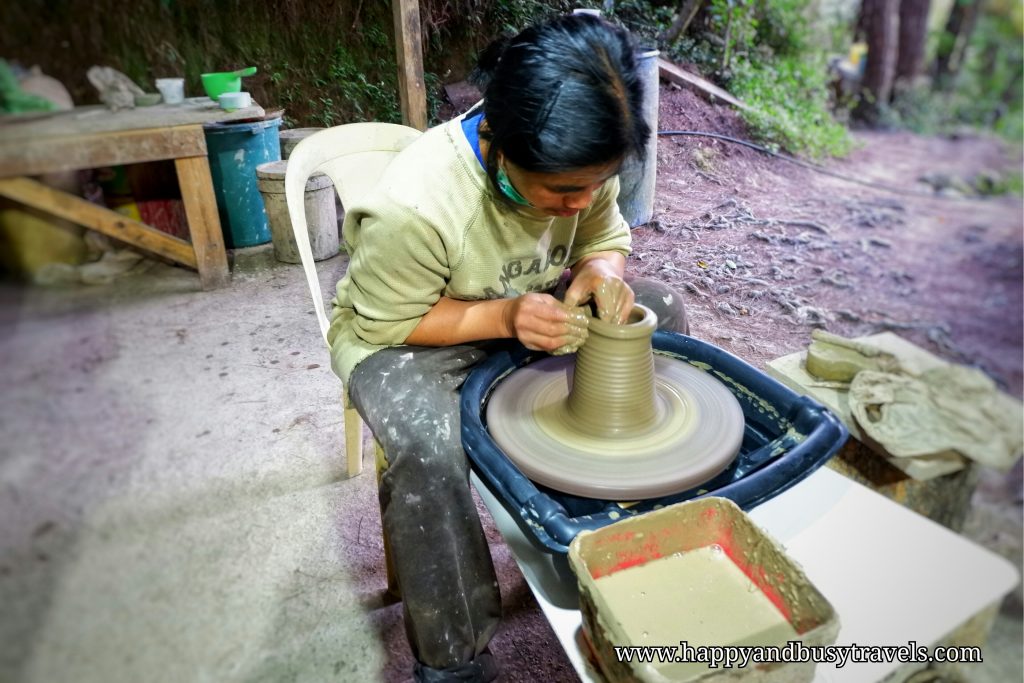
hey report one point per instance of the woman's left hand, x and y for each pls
(601, 281)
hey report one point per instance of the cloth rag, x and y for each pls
(952, 407)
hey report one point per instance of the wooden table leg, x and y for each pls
(203, 222)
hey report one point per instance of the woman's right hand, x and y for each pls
(543, 323)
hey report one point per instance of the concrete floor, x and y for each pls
(173, 504)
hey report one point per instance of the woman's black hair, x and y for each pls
(562, 95)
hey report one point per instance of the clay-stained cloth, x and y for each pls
(952, 407)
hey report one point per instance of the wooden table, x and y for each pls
(93, 137)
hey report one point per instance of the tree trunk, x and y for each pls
(913, 33)
(953, 43)
(880, 19)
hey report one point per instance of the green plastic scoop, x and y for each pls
(217, 83)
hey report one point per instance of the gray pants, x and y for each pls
(409, 395)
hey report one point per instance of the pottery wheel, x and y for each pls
(697, 433)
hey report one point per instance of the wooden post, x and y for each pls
(409, 49)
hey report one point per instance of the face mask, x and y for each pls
(505, 185)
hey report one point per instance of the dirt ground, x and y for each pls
(768, 250)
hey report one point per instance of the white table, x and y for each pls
(892, 575)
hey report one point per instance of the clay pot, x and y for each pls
(613, 392)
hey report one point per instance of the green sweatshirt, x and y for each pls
(431, 228)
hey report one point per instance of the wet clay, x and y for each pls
(613, 387)
(616, 421)
(699, 596)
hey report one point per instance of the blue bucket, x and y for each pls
(235, 150)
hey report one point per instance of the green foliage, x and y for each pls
(789, 106)
(435, 88)
(645, 19)
(326, 63)
(512, 16)
(992, 183)
(374, 100)
(1015, 183)
(987, 93)
(764, 52)
(457, 30)
(337, 86)
(786, 28)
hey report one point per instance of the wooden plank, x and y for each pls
(409, 48)
(203, 221)
(98, 218)
(672, 73)
(98, 119)
(47, 155)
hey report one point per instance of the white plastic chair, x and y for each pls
(353, 156)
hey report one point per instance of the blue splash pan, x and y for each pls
(786, 438)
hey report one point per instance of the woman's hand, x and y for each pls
(601, 280)
(543, 323)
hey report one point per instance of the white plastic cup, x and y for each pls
(230, 101)
(172, 89)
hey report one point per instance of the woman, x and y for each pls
(461, 243)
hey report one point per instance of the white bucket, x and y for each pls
(172, 89)
(637, 178)
(293, 136)
(321, 215)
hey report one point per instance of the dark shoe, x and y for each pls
(483, 669)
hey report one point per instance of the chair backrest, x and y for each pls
(353, 156)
